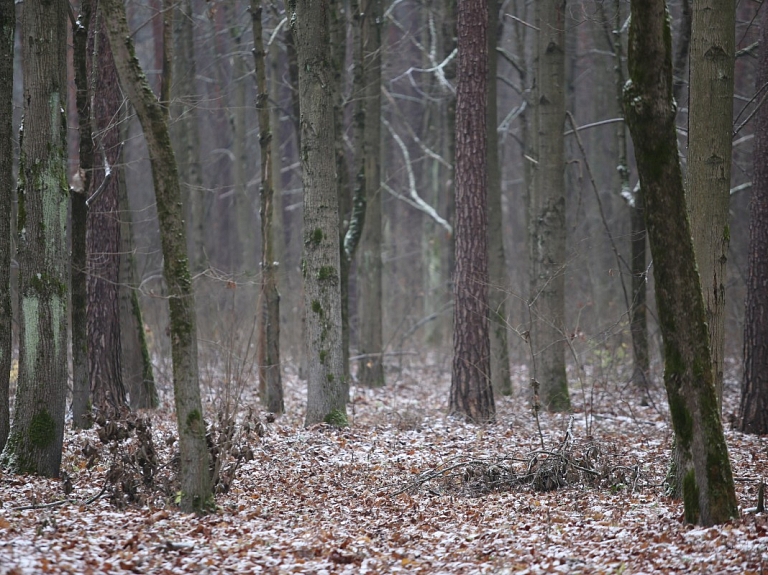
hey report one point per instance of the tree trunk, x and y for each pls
(370, 321)
(708, 490)
(103, 238)
(471, 391)
(326, 397)
(547, 217)
(497, 265)
(268, 345)
(7, 35)
(81, 389)
(35, 442)
(194, 468)
(710, 130)
(753, 413)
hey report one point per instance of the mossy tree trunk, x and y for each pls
(7, 31)
(327, 396)
(708, 490)
(753, 413)
(36, 437)
(471, 393)
(81, 391)
(370, 371)
(270, 384)
(547, 212)
(497, 264)
(710, 132)
(103, 236)
(196, 493)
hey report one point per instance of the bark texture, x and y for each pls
(753, 413)
(270, 384)
(196, 494)
(326, 396)
(103, 237)
(7, 31)
(710, 119)
(471, 391)
(370, 371)
(708, 491)
(35, 441)
(497, 265)
(547, 212)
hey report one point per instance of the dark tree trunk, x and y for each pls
(7, 35)
(753, 414)
(270, 384)
(471, 391)
(36, 437)
(194, 466)
(327, 391)
(103, 237)
(708, 490)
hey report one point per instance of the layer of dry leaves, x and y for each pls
(404, 490)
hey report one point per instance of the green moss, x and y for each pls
(329, 377)
(194, 419)
(727, 234)
(316, 307)
(691, 497)
(326, 273)
(323, 355)
(44, 283)
(337, 418)
(682, 421)
(42, 429)
(316, 236)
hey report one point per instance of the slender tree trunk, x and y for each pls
(81, 389)
(497, 264)
(7, 35)
(194, 473)
(471, 391)
(708, 490)
(547, 227)
(753, 413)
(36, 437)
(710, 121)
(270, 384)
(103, 238)
(326, 396)
(371, 367)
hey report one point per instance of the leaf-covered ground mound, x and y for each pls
(405, 489)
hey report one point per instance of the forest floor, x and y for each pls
(405, 489)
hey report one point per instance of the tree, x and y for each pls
(326, 396)
(103, 236)
(270, 385)
(497, 265)
(753, 412)
(471, 391)
(710, 132)
(371, 367)
(708, 489)
(7, 30)
(36, 437)
(196, 494)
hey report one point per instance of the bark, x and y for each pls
(682, 51)
(35, 442)
(370, 325)
(708, 490)
(7, 32)
(753, 412)
(81, 390)
(270, 384)
(547, 215)
(103, 239)
(471, 392)
(185, 133)
(196, 494)
(326, 396)
(710, 119)
(497, 265)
